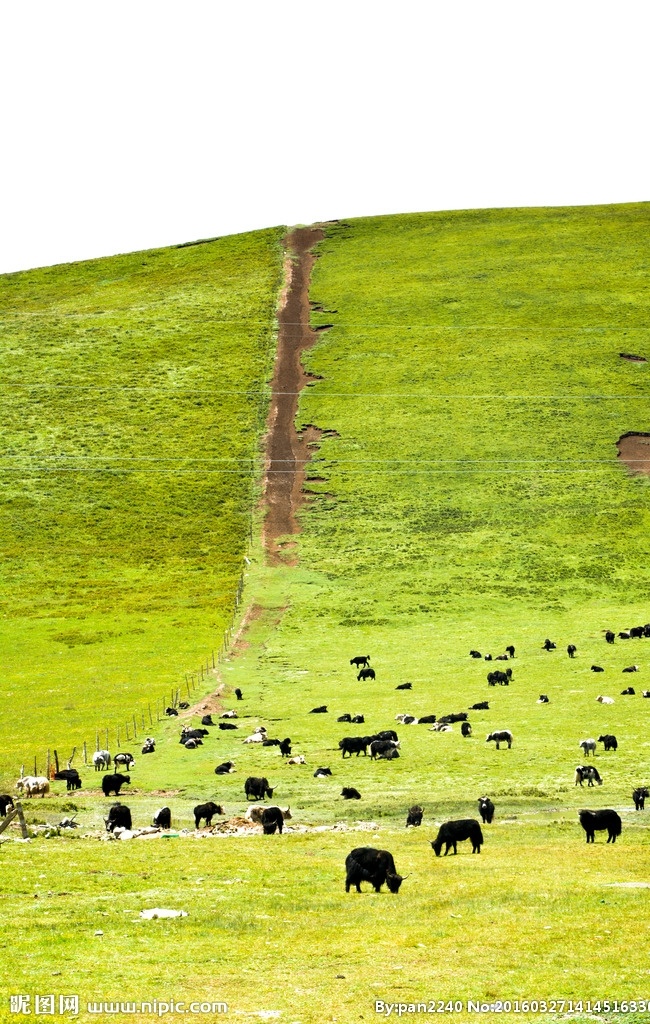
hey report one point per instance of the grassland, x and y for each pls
(470, 497)
(134, 400)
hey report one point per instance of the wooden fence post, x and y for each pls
(85, 753)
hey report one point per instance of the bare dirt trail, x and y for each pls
(287, 450)
(634, 451)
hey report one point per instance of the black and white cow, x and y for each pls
(589, 773)
(163, 818)
(124, 760)
(502, 736)
(6, 804)
(486, 809)
(225, 768)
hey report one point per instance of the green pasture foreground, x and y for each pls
(538, 915)
(134, 396)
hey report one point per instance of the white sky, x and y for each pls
(133, 124)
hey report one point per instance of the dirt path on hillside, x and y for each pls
(634, 451)
(287, 450)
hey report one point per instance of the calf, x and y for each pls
(272, 820)
(322, 710)
(229, 714)
(344, 718)
(609, 741)
(226, 768)
(365, 864)
(414, 816)
(227, 725)
(605, 700)
(366, 673)
(596, 821)
(628, 692)
(298, 759)
(183, 705)
(486, 809)
(149, 746)
(548, 645)
(404, 686)
(350, 793)
(610, 637)
(163, 818)
(257, 788)
(571, 650)
(466, 729)
(427, 719)
(113, 783)
(119, 816)
(238, 694)
(511, 651)
(475, 654)
(101, 760)
(207, 720)
(588, 745)
(453, 832)
(358, 720)
(631, 668)
(361, 661)
(322, 773)
(388, 755)
(543, 699)
(208, 812)
(171, 712)
(285, 747)
(597, 668)
(482, 705)
(639, 796)
(504, 736)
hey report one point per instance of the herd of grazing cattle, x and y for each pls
(363, 864)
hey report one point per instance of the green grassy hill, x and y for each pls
(467, 495)
(134, 398)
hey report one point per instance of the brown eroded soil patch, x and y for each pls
(287, 450)
(634, 451)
